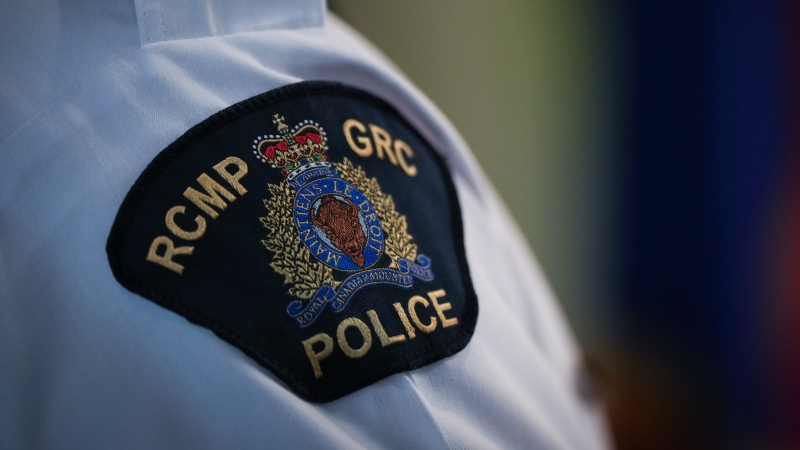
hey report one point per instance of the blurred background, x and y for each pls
(650, 151)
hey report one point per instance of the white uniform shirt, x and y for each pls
(89, 94)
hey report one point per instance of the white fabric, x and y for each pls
(90, 92)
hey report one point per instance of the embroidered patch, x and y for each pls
(311, 227)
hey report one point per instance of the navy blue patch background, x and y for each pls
(228, 284)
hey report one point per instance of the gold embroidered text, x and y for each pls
(320, 346)
(395, 150)
(209, 199)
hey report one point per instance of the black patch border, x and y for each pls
(361, 379)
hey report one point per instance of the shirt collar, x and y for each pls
(165, 20)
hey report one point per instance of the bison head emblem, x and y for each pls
(338, 219)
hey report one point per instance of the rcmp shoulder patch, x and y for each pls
(311, 227)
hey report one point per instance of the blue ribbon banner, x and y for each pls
(403, 277)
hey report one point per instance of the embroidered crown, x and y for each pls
(293, 148)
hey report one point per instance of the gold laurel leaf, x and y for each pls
(291, 258)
